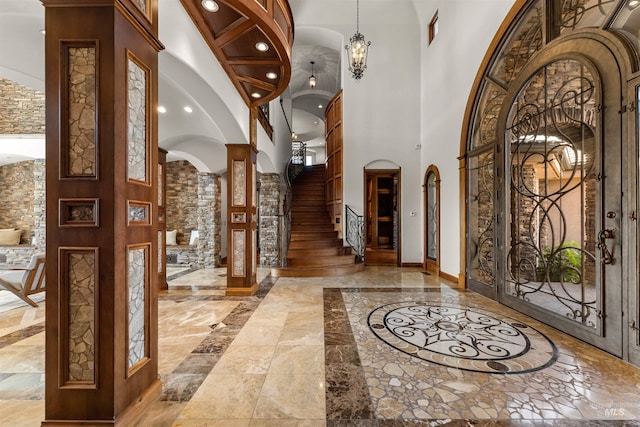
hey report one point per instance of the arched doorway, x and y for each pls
(545, 175)
(382, 216)
(431, 186)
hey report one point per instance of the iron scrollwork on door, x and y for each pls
(553, 191)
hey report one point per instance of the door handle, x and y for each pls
(606, 256)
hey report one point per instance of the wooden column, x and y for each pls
(102, 243)
(162, 220)
(241, 220)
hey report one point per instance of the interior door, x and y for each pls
(382, 214)
(562, 197)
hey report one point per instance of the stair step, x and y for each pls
(311, 218)
(313, 235)
(317, 271)
(312, 223)
(307, 253)
(312, 244)
(322, 261)
(315, 249)
(307, 210)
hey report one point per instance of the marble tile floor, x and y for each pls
(304, 352)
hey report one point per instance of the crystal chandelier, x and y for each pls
(357, 49)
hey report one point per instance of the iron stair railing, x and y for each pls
(294, 167)
(355, 233)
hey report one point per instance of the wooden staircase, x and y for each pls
(315, 248)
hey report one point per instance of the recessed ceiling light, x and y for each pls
(210, 5)
(315, 122)
(634, 3)
(262, 46)
(272, 76)
(161, 109)
(320, 106)
(188, 109)
(256, 95)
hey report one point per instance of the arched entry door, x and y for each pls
(432, 221)
(546, 217)
(561, 200)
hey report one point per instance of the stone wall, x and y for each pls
(17, 194)
(194, 203)
(39, 205)
(209, 220)
(269, 227)
(182, 199)
(183, 256)
(525, 222)
(21, 109)
(16, 256)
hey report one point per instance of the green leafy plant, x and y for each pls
(563, 263)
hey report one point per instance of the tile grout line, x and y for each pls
(234, 322)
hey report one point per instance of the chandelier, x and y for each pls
(312, 79)
(357, 49)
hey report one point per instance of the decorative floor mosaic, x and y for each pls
(434, 357)
(313, 352)
(462, 337)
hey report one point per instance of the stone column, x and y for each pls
(209, 220)
(39, 205)
(101, 61)
(269, 229)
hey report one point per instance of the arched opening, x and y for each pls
(431, 186)
(545, 134)
(382, 213)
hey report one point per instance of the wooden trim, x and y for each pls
(63, 209)
(64, 252)
(65, 105)
(449, 277)
(242, 292)
(432, 27)
(396, 191)
(264, 121)
(148, 174)
(411, 264)
(128, 417)
(255, 17)
(148, 253)
(139, 204)
(335, 162)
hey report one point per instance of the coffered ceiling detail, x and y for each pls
(252, 39)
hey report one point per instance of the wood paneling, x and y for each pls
(118, 30)
(241, 219)
(333, 135)
(232, 33)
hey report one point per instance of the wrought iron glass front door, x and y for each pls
(562, 196)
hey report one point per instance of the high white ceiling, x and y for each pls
(22, 60)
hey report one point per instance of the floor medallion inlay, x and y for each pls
(462, 337)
